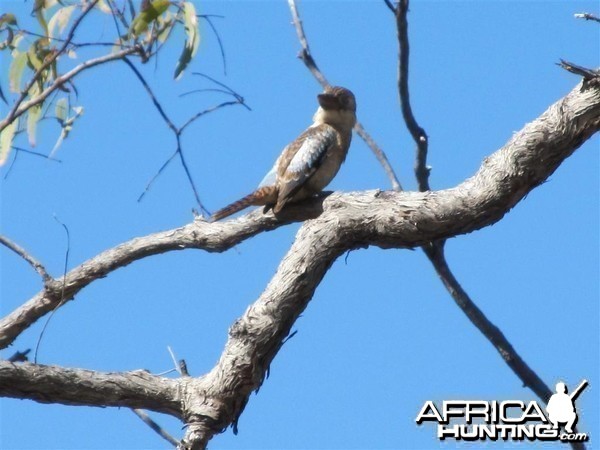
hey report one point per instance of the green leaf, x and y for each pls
(192, 41)
(148, 15)
(61, 108)
(16, 41)
(8, 18)
(33, 117)
(38, 9)
(164, 27)
(103, 6)
(9, 39)
(6, 138)
(33, 57)
(15, 73)
(67, 126)
(60, 20)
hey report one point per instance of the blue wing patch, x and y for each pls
(312, 150)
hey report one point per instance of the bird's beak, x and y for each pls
(328, 101)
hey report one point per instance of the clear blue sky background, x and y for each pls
(381, 335)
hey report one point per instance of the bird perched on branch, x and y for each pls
(311, 161)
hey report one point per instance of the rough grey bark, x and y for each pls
(340, 222)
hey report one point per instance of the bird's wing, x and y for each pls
(305, 156)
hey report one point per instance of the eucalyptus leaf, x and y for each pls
(15, 72)
(60, 20)
(33, 117)
(8, 18)
(6, 139)
(38, 10)
(192, 42)
(148, 15)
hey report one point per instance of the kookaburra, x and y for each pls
(311, 161)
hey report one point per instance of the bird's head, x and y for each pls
(337, 106)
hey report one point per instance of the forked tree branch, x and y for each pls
(435, 250)
(341, 222)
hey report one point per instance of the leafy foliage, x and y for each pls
(45, 62)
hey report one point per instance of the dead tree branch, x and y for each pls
(587, 16)
(52, 384)
(156, 427)
(33, 262)
(435, 250)
(341, 222)
(418, 134)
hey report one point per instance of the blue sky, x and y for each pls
(381, 335)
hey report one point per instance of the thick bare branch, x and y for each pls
(385, 219)
(194, 235)
(52, 384)
(342, 221)
(257, 336)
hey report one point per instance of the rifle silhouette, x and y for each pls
(578, 389)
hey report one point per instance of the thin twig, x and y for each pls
(59, 81)
(180, 365)
(173, 358)
(530, 379)
(209, 110)
(33, 262)
(221, 48)
(360, 130)
(116, 13)
(189, 176)
(156, 175)
(311, 65)
(196, 91)
(418, 133)
(38, 154)
(155, 101)
(179, 131)
(29, 152)
(227, 88)
(73, 44)
(176, 131)
(587, 74)
(156, 427)
(587, 16)
(62, 293)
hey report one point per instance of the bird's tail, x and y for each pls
(262, 196)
